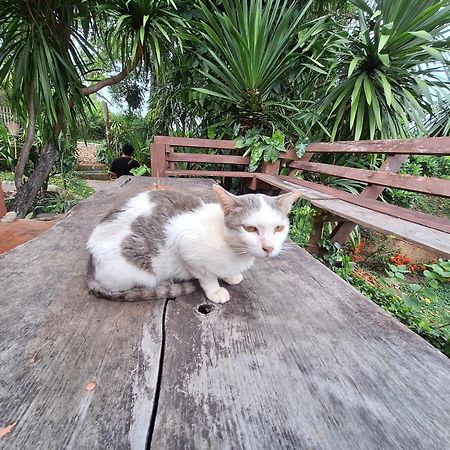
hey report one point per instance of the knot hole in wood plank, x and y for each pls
(205, 309)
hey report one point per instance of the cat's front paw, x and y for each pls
(219, 296)
(235, 279)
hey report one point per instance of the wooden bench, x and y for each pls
(298, 359)
(428, 231)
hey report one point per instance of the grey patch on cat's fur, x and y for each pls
(147, 232)
(250, 204)
(112, 215)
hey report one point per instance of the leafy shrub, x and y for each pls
(6, 149)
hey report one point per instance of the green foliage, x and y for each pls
(40, 55)
(437, 273)
(141, 170)
(71, 189)
(94, 127)
(391, 58)
(105, 155)
(249, 49)
(403, 302)
(147, 26)
(260, 147)
(301, 224)
(7, 160)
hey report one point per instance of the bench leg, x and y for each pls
(342, 232)
(313, 244)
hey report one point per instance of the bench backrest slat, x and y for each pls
(421, 146)
(425, 185)
(207, 158)
(195, 143)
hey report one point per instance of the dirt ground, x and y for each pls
(86, 152)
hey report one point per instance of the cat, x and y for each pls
(163, 243)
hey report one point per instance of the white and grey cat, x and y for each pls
(162, 241)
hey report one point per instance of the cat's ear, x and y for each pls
(285, 201)
(227, 201)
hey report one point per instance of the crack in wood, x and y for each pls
(154, 414)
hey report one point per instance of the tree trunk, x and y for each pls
(29, 139)
(28, 191)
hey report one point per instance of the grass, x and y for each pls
(437, 310)
(367, 267)
(71, 189)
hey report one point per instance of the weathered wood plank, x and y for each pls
(298, 359)
(436, 241)
(431, 238)
(422, 146)
(208, 173)
(314, 191)
(158, 160)
(196, 143)
(391, 164)
(56, 338)
(206, 158)
(426, 185)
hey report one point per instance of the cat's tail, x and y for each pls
(166, 289)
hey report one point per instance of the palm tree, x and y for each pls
(395, 55)
(46, 53)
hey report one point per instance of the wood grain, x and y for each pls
(425, 185)
(314, 191)
(298, 359)
(158, 160)
(391, 164)
(194, 142)
(56, 338)
(209, 173)
(206, 158)
(421, 146)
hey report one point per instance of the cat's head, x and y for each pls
(256, 224)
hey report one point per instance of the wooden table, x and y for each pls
(298, 359)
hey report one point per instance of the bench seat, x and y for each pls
(428, 231)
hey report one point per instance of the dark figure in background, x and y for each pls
(124, 163)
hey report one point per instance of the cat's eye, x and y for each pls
(250, 229)
(279, 228)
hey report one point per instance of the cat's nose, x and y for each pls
(268, 250)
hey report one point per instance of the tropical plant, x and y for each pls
(394, 54)
(45, 52)
(250, 45)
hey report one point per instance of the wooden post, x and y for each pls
(158, 160)
(317, 220)
(391, 165)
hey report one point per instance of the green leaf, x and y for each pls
(278, 137)
(300, 148)
(382, 42)
(209, 92)
(415, 287)
(434, 284)
(255, 158)
(270, 154)
(386, 87)
(434, 53)
(412, 301)
(384, 58)
(422, 35)
(353, 64)
(367, 90)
